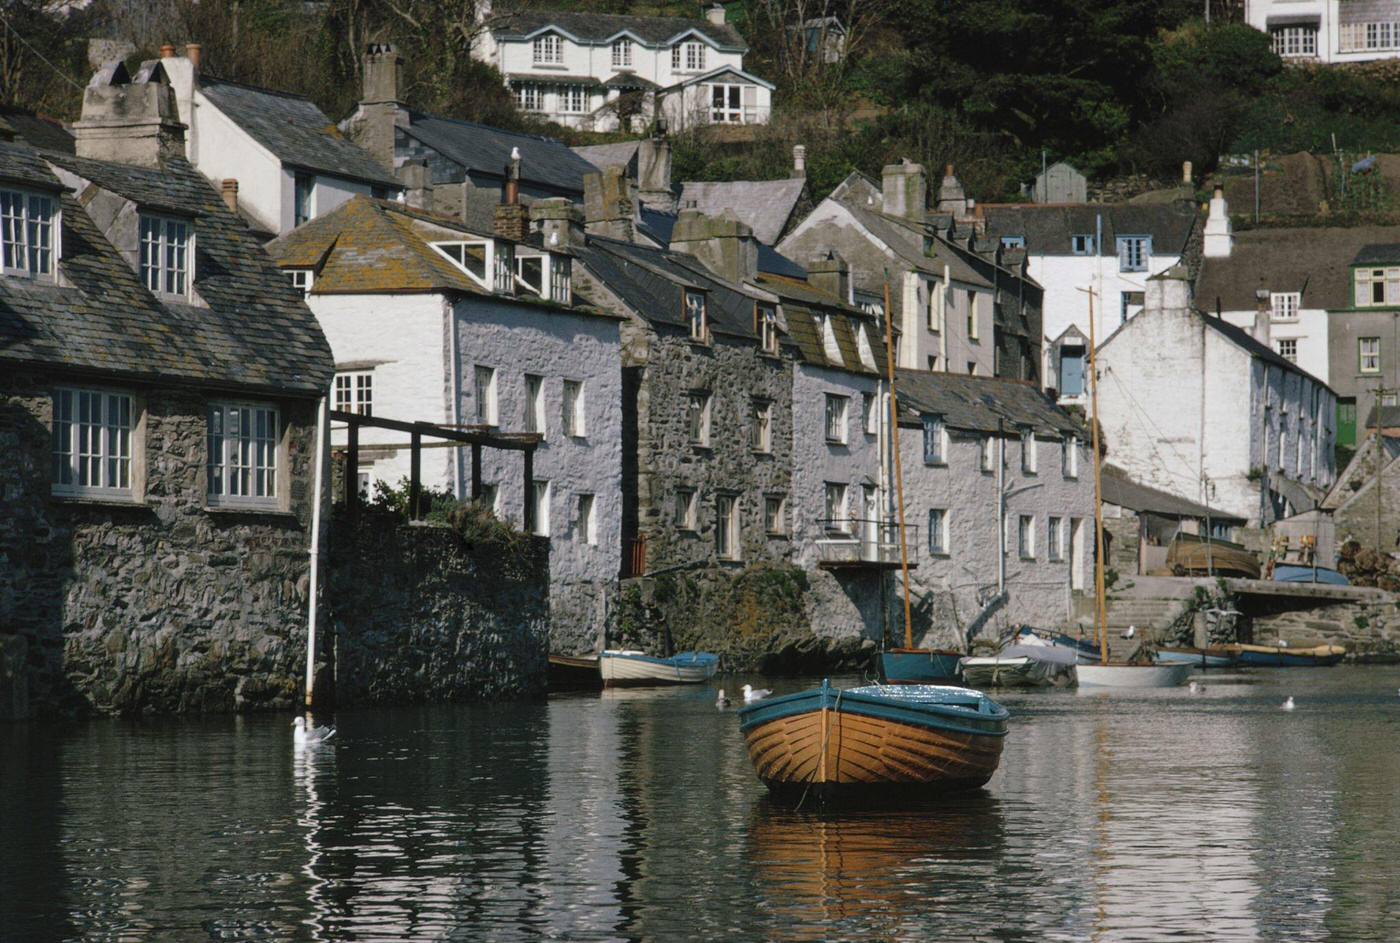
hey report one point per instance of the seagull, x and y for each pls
(750, 695)
(1129, 632)
(721, 702)
(1288, 704)
(1282, 643)
(308, 738)
(1197, 688)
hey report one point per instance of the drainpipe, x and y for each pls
(455, 410)
(315, 551)
(1001, 507)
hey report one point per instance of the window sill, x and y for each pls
(841, 442)
(554, 66)
(247, 509)
(940, 555)
(1025, 559)
(701, 447)
(777, 535)
(761, 453)
(91, 500)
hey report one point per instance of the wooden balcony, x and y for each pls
(857, 544)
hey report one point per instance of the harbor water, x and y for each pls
(635, 815)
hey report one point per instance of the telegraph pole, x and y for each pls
(1379, 458)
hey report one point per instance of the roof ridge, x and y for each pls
(490, 127)
(281, 93)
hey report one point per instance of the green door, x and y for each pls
(1346, 422)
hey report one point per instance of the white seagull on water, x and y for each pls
(751, 695)
(1197, 688)
(1288, 704)
(722, 701)
(306, 738)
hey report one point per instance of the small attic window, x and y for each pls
(1013, 242)
(696, 316)
(863, 348)
(829, 347)
(561, 279)
(302, 279)
(470, 257)
(165, 255)
(28, 246)
(766, 317)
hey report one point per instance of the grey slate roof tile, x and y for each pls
(486, 150)
(1120, 489)
(21, 164)
(764, 205)
(601, 27)
(977, 404)
(1313, 260)
(295, 130)
(1048, 228)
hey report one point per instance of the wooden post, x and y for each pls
(415, 473)
(352, 468)
(1100, 604)
(476, 471)
(529, 514)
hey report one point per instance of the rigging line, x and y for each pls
(28, 45)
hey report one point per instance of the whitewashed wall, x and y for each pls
(1309, 330)
(220, 149)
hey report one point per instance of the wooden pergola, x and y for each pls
(478, 439)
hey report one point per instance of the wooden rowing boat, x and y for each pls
(874, 742)
(629, 667)
(574, 673)
(1270, 656)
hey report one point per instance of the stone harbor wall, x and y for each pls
(427, 613)
(1369, 626)
(155, 604)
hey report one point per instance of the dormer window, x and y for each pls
(478, 257)
(504, 268)
(689, 57)
(548, 50)
(27, 232)
(829, 346)
(561, 282)
(165, 253)
(767, 327)
(697, 317)
(622, 54)
(302, 279)
(864, 350)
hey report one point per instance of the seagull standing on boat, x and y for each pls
(1129, 632)
(308, 738)
(721, 702)
(751, 695)
(1288, 704)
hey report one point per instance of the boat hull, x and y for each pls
(835, 746)
(918, 666)
(627, 668)
(1264, 656)
(1132, 676)
(1196, 657)
(574, 673)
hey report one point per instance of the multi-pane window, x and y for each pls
(470, 257)
(688, 56)
(687, 509)
(1294, 41)
(938, 531)
(242, 454)
(484, 395)
(733, 104)
(1130, 303)
(587, 530)
(26, 232)
(92, 443)
(775, 514)
(761, 433)
(698, 418)
(1369, 354)
(935, 441)
(534, 404)
(972, 328)
(1055, 537)
(574, 423)
(727, 526)
(767, 318)
(548, 50)
(1133, 252)
(987, 455)
(1025, 537)
(1013, 242)
(560, 278)
(539, 494)
(573, 99)
(354, 392)
(1287, 348)
(1028, 456)
(937, 306)
(836, 418)
(1377, 287)
(696, 316)
(870, 412)
(302, 280)
(837, 514)
(529, 97)
(303, 186)
(1284, 305)
(1363, 37)
(1082, 244)
(165, 245)
(622, 54)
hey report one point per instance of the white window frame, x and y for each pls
(559, 278)
(734, 105)
(1069, 456)
(1025, 536)
(1295, 41)
(573, 99)
(937, 307)
(688, 57)
(354, 391)
(244, 465)
(30, 233)
(587, 524)
(829, 346)
(536, 416)
(100, 447)
(837, 419)
(1029, 457)
(695, 308)
(1369, 278)
(938, 532)
(761, 433)
(775, 521)
(1134, 253)
(1368, 350)
(547, 50)
(622, 53)
(303, 198)
(539, 494)
(698, 404)
(767, 318)
(574, 408)
(491, 497)
(484, 399)
(1284, 305)
(529, 96)
(870, 412)
(166, 254)
(973, 328)
(498, 264)
(303, 280)
(863, 348)
(1287, 348)
(1081, 244)
(935, 440)
(727, 527)
(687, 506)
(1055, 538)
(986, 460)
(836, 497)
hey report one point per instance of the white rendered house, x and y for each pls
(1329, 30)
(604, 72)
(432, 322)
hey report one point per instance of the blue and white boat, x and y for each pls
(1085, 650)
(1216, 657)
(632, 667)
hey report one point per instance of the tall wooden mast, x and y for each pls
(898, 471)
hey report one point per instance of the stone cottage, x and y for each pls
(999, 483)
(159, 382)
(433, 321)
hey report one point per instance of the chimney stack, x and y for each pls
(829, 272)
(193, 52)
(1186, 173)
(654, 173)
(128, 123)
(1169, 291)
(512, 220)
(951, 196)
(607, 203)
(561, 222)
(715, 14)
(228, 188)
(417, 183)
(1219, 239)
(799, 160)
(167, 51)
(905, 189)
(380, 111)
(722, 243)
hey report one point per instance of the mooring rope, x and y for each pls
(826, 738)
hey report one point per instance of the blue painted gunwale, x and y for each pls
(1197, 657)
(1286, 659)
(679, 660)
(955, 710)
(916, 667)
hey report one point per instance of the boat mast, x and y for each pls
(898, 471)
(1100, 616)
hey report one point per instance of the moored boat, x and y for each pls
(1271, 656)
(1085, 650)
(1132, 676)
(574, 673)
(874, 742)
(1217, 656)
(630, 667)
(1021, 665)
(918, 665)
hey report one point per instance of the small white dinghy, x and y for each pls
(630, 667)
(1132, 676)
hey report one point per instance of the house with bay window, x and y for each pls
(1328, 30)
(159, 386)
(607, 72)
(433, 321)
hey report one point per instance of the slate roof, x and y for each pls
(1244, 339)
(621, 154)
(803, 303)
(297, 132)
(765, 205)
(47, 134)
(1378, 254)
(1315, 261)
(976, 404)
(907, 240)
(486, 151)
(657, 226)
(254, 334)
(602, 27)
(1047, 228)
(1119, 489)
(21, 164)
